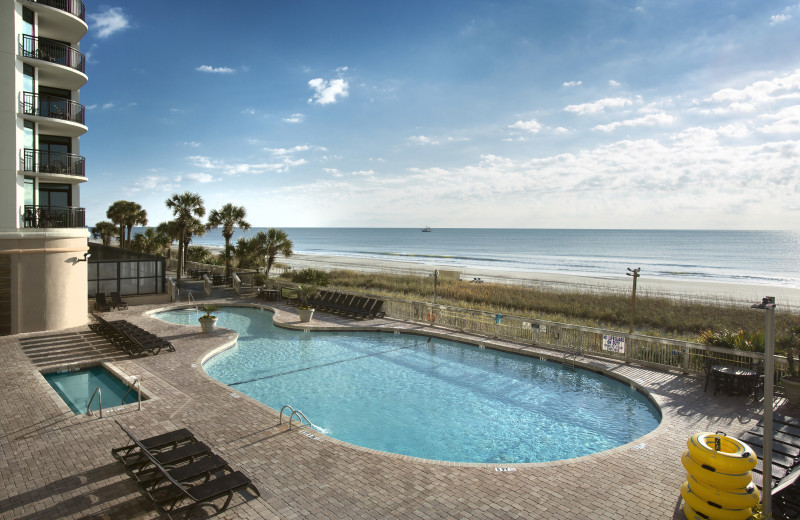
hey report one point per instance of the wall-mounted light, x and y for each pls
(85, 257)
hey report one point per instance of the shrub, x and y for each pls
(312, 276)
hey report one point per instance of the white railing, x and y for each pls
(237, 284)
(174, 292)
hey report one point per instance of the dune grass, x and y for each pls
(680, 317)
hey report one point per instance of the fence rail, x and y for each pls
(75, 7)
(661, 353)
(45, 161)
(52, 51)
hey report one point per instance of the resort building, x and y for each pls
(43, 238)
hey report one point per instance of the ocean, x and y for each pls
(767, 258)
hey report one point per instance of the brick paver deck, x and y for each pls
(54, 464)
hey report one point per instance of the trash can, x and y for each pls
(498, 319)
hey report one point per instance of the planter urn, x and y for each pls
(208, 324)
(305, 315)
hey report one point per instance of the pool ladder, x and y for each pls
(571, 352)
(99, 395)
(298, 413)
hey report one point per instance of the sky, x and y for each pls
(662, 114)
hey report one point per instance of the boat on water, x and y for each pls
(426, 229)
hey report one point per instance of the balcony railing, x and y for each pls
(44, 161)
(50, 106)
(71, 6)
(52, 51)
(54, 217)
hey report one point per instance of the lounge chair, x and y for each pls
(164, 449)
(116, 301)
(100, 302)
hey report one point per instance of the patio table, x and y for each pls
(739, 378)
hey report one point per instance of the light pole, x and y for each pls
(635, 274)
(768, 304)
(435, 279)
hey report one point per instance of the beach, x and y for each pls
(733, 293)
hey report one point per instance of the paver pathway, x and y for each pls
(54, 464)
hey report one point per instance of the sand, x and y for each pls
(745, 294)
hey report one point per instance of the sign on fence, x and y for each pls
(613, 344)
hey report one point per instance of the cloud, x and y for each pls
(531, 126)
(422, 139)
(750, 98)
(202, 161)
(156, 183)
(293, 150)
(786, 121)
(215, 70)
(614, 83)
(200, 177)
(779, 18)
(328, 91)
(191, 144)
(91, 107)
(249, 111)
(599, 106)
(294, 118)
(109, 21)
(108, 105)
(660, 118)
(572, 83)
(364, 173)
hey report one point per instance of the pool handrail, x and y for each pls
(291, 417)
(130, 387)
(99, 395)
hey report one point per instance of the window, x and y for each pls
(29, 200)
(27, 21)
(55, 194)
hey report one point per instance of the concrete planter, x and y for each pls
(791, 387)
(305, 315)
(208, 325)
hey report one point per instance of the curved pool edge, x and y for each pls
(541, 353)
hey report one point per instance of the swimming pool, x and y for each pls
(427, 397)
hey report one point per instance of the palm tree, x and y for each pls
(151, 241)
(172, 232)
(105, 231)
(229, 216)
(246, 252)
(117, 213)
(195, 228)
(276, 241)
(185, 207)
(136, 216)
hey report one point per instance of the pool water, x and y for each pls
(427, 397)
(76, 388)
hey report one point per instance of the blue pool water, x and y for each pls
(76, 388)
(427, 397)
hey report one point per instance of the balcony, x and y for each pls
(55, 115)
(44, 161)
(40, 217)
(63, 20)
(59, 65)
(73, 7)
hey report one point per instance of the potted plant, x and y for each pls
(789, 343)
(304, 310)
(208, 321)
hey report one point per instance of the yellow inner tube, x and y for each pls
(733, 455)
(714, 513)
(717, 479)
(729, 499)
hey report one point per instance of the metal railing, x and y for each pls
(52, 51)
(135, 382)
(298, 413)
(53, 217)
(99, 395)
(44, 161)
(75, 7)
(33, 104)
(659, 353)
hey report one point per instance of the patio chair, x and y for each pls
(116, 301)
(100, 302)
